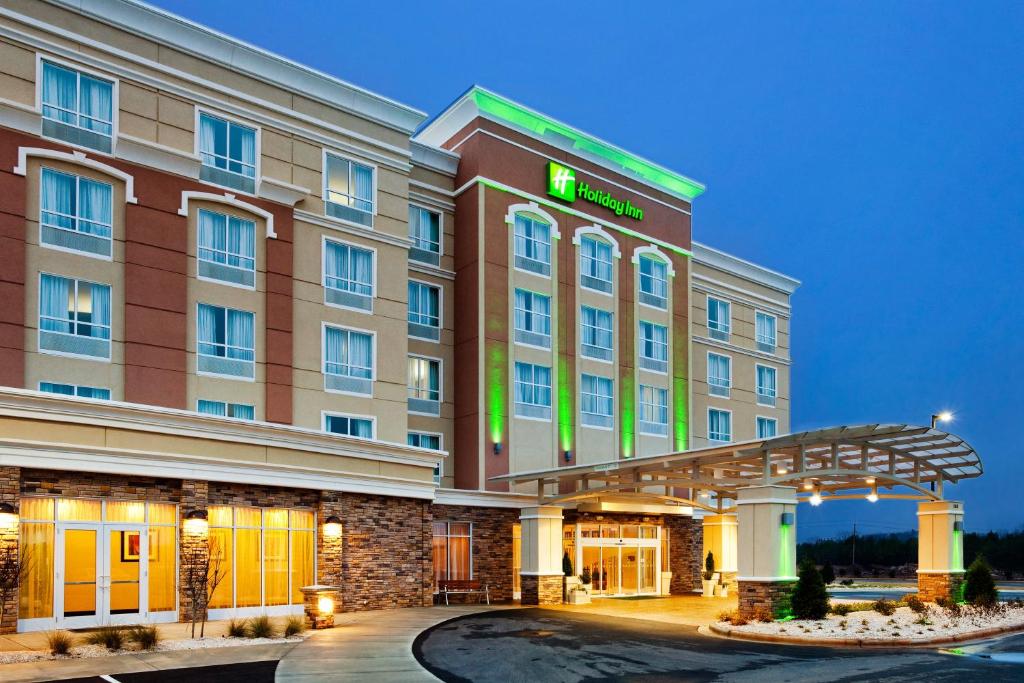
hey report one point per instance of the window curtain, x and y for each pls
(246, 149)
(654, 341)
(434, 377)
(211, 235)
(603, 320)
(57, 196)
(240, 333)
(243, 411)
(765, 381)
(588, 318)
(361, 428)
(334, 257)
(542, 377)
(765, 329)
(95, 207)
(524, 383)
(54, 295)
(334, 348)
(589, 391)
(604, 396)
(208, 139)
(718, 370)
(522, 311)
(714, 321)
(60, 89)
(95, 105)
(362, 179)
(207, 331)
(241, 245)
(213, 408)
(360, 354)
(100, 311)
(654, 277)
(362, 271)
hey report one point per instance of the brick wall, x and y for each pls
(10, 478)
(542, 590)
(757, 596)
(931, 587)
(492, 544)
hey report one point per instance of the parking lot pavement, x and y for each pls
(245, 672)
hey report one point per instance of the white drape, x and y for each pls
(55, 295)
(240, 334)
(57, 196)
(60, 91)
(207, 331)
(95, 105)
(361, 354)
(95, 206)
(100, 295)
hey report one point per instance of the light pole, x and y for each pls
(944, 416)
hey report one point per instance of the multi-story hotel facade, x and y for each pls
(250, 308)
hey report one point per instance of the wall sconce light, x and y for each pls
(332, 529)
(787, 519)
(8, 516)
(325, 606)
(497, 448)
(568, 456)
(196, 522)
(958, 525)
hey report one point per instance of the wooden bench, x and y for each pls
(463, 587)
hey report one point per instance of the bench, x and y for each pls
(463, 587)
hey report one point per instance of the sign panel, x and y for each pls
(562, 184)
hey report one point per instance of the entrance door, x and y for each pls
(102, 579)
(648, 570)
(124, 586)
(78, 603)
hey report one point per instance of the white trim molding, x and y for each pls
(80, 159)
(230, 200)
(595, 229)
(653, 250)
(534, 208)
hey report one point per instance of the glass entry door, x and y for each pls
(123, 587)
(622, 559)
(103, 578)
(79, 584)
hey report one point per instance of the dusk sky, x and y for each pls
(872, 150)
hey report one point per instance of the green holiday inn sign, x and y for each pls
(563, 185)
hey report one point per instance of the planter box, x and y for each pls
(579, 598)
(666, 583)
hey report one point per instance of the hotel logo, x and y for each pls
(561, 182)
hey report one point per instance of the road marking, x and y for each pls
(109, 679)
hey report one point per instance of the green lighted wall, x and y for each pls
(786, 549)
(680, 414)
(566, 407)
(497, 390)
(627, 411)
(958, 559)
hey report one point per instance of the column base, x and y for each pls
(932, 587)
(761, 598)
(541, 590)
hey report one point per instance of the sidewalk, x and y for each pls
(367, 646)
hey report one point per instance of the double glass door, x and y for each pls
(101, 575)
(622, 559)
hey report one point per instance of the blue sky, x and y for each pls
(873, 150)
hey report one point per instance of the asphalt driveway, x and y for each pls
(534, 645)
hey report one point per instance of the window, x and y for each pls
(77, 108)
(532, 245)
(765, 385)
(595, 333)
(75, 390)
(595, 264)
(719, 374)
(533, 391)
(424, 311)
(764, 330)
(349, 426)
(239, 411)
(424, 385)
(228, 153)
(453, 559)
(425, 233)
(596, 401)
(718, 319)
(348, 360)
(348, 276)
(75, 213)
(719, 425)
(533, 318)
(348, 190)
(767, 427)
(653, 282)
(74, 317)
(226, 342)
(653, 410)
(427, 440)
(227, 248)
(653, 346)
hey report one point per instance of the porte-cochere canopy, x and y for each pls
(883, 460)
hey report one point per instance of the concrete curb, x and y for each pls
(734, 634)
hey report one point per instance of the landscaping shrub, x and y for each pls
(59, 642)
(884, 607)
(828, 574)
(733, 618)
(261, 627)
(810, 599)
(146, 637)
(294, 626)
(566, 564)
(763, 615)
(840, 609)
(979, 586)
(236, 628)
(847, 582)
(915, 603)
(709, 566)
(585, 577)
(110, 637)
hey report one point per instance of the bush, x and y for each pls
(585, 577)
(110, 637)
(294, 626)
(566, 564)
(236, 628)
(915, 603)
(763, 615)
(261, 627)
(146, 637)
(979, 586)
(828, 574)
(709, 566)
(733, 618)
(885, 607)
(847, 582)
(861, 606)
(810, 599)
(59, 642)
(840, 609)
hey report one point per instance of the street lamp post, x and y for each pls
(944, 416)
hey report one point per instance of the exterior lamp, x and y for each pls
(8, 516)
(196, 522)
(497, 448)
(325, 605)
(808, 485)
(873, 496)
(332, 529)
(815, 499)
(782, 470)
(568, 456)
(944, 416)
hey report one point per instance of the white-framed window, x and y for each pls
(532, 245)
(595, 264)
(425, 233)
(766, 387)
(349, 189)
(596, 401)
(348, 275)
(74, 317)
(532, 319)
(452, 551)
(424, 310)
(75, 390)
(596, 333)
(348, 360)
(77, 107)
(653, 410)
(764, 330)
(719, 425)
(424, 385)
(719, 322)
(226, 341)
(349, 425)
(653, 282)
(719, 374)
(428, 440)
(533, 390)
(75, 213)
(653, 346)
(226, 248)
(239, 411)
(227, 145)
(767, 427)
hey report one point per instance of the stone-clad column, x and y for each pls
(766, 557)
(940, 549)
(721, 540)
(193, 538)
(541, 570)
(329, 542)
(10, 488)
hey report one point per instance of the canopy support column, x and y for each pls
(940, 549)
(766, 549)
(721, 539)
(541, 570)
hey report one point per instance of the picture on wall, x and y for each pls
(130, 546)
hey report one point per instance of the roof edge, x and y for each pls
(751, 271)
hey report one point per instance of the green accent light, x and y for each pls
(958, 560)
(561, 182)
(496, 390)
(517, 114)
(785, 551)
(566, 409)
(680, 414)
(627, 411)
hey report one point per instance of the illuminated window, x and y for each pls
(451, 551)
(653, 410)
(74, 317)
(424, 385)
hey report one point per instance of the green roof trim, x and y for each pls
(517, 114)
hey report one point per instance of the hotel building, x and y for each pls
(256, 310)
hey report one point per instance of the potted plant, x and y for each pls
(570, 581)
(708, 581)
(585, 579)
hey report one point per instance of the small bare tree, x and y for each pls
(14, 570)
(203, 565)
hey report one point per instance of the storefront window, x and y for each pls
(517, 558)
(451, 551)
(666, 564)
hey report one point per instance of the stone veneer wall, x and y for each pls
(492, 544)
(757, 596)
(931, 587)
(10, 478)
(541, 590)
